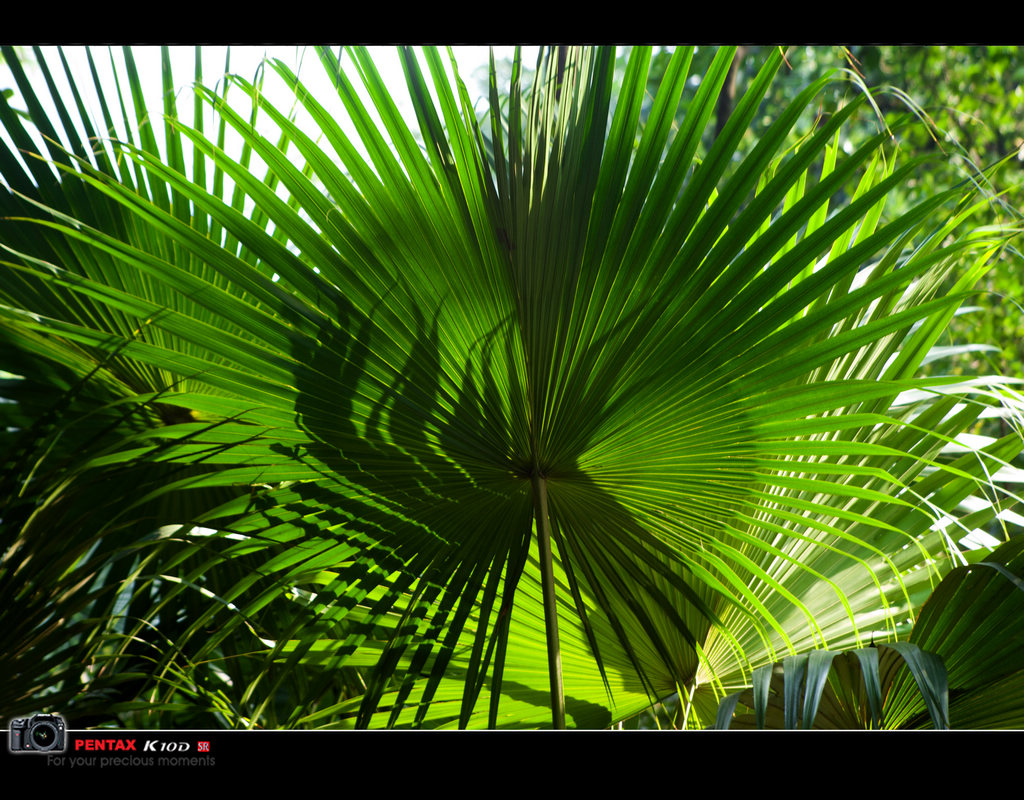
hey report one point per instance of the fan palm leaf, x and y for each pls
(540, 422)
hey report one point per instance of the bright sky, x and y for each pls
(244, 62)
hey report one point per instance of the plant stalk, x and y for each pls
(540, 506)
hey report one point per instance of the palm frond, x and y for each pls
(406, 368)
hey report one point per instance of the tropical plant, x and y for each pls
(970, 677)
(524, 422)
(965, 97)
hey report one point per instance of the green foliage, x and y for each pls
(319, 401)
(968, 676)
(840, 690)
(963, 104)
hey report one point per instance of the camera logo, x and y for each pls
(41, 733)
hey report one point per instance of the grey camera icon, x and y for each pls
(41, 733)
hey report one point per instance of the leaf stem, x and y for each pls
(540, 505)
